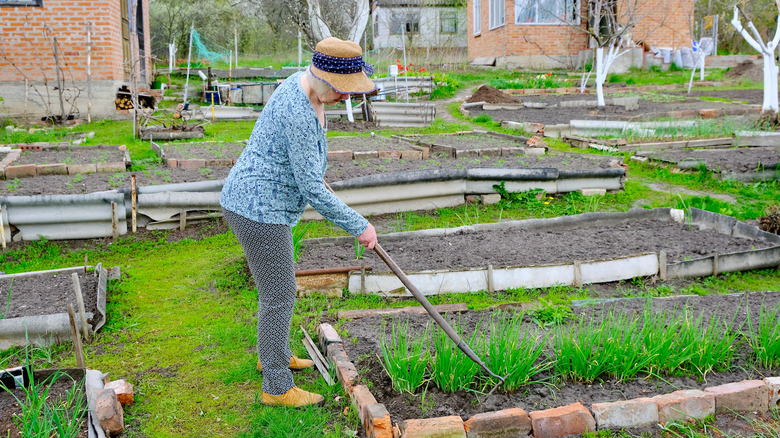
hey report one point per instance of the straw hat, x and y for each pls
(340, 64)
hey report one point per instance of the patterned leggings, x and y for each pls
(269, 252)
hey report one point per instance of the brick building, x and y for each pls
(541, 34)
(28, 79)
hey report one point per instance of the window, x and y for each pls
(449, 22)
(496, 13)
(4, 3)
(477, 16)
(547, 11)
(409, 22)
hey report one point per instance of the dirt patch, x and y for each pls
(746, 70)
(741, 160)
(9, 406)
(343, 125)
(203, 151)
(72, 155)
(521, 247)
(366, 144)
(45, 294)
(364, 349)
(486, 93)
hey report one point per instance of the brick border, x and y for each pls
(743, 396)
(10, 171)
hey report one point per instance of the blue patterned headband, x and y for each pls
(342, 66)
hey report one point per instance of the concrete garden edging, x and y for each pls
(10, 171)
(744, 396)
(577, 272)
(52, 328)
(768, 172)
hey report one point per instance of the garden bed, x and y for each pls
(739, 163)
(57, 159)
(35, 304)
(198, 154)
(727, 313)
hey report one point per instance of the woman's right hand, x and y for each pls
(368, 238)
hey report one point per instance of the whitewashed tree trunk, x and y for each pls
(359, 21)
(768, 53)
(602, 68)
(319, 28)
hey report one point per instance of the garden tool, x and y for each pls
(462, 345)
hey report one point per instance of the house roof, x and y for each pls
(420, 3)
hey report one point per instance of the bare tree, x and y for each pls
(768, 52)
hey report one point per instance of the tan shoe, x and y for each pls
(295, 397)
(296, 364)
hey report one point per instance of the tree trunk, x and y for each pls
(600, 76)
(770, 83)
(358, 26)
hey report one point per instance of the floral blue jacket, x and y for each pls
(282, 166)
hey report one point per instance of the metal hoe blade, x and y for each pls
(437, 316)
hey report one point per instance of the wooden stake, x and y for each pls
(59, 83)
(114, 221)
(86, 262)
(74, 333)
(182, 220)
(577, 273)
(490, 281)
(319, 361)
(2, 229)
(133, 195)
(80, 303)
(89, 72)
(662, 265)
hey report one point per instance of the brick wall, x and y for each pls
(27, 33)
(662, 23)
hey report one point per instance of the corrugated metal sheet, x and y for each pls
(404, 114)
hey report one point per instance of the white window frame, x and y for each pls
(518, 14)
(450, 15)
(17, 3)
(496, 6)
(477, 17)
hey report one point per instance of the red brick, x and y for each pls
(708, 113)
(500, 424)
(219, 162)
(388, 154)
(640, 412)
(378, 424)
(773, 383)
(744, 396)
(566, 420)
(327, 335)
(411, 155)
(336, 353)
(682, 405)
(361, 398)
(123, 390)
(347, 375)
(339, 155)
(53, 169)
(439, 427)
(172, 162)
(191, 164)
(21, 171)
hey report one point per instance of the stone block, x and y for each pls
(466, 153)
(411, 155)
(378, 424)
(191, 164)
(327, 335)
(708, 113)
(336, 353)
(382, 155)
(347, 375)
(512, 152)
(744, 396)
(223, 162)
(52, 169)
(490, 152)
(114, 167)
(123, 390)
(491, 198)
(773, 384)
(535, 151)
(364, 155)
(499, 424)
(21, 171)
(109, 412)
(682, 405)
(566, 420)
(361, 398)
(75, 169)
(472, 199)
(638, 412)
(593, 192)
(339, 155)
(172, 162)
(439, 427)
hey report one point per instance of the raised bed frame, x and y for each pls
(10, 171)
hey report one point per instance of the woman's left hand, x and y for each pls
(368, 238)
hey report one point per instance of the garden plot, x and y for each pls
(573, 250)
(475, 144)
(55, 159)
(745, 164)
(560, 109)
(35, 304)
(199, 154)
(363, 148)
(554, 356)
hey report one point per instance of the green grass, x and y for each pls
(638, 76)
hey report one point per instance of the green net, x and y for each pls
(205, 53)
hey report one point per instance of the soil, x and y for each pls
(72, 155)
(367, 144)
(45, 294)
(739, 160)
(752, 97)
(203, 151)
(486, 93)
(9, 407)
(365, 351)
(343, 125)
(520, 247)
(747, 70)
(552, 115)
(471, 141)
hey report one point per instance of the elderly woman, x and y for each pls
(278, 174)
